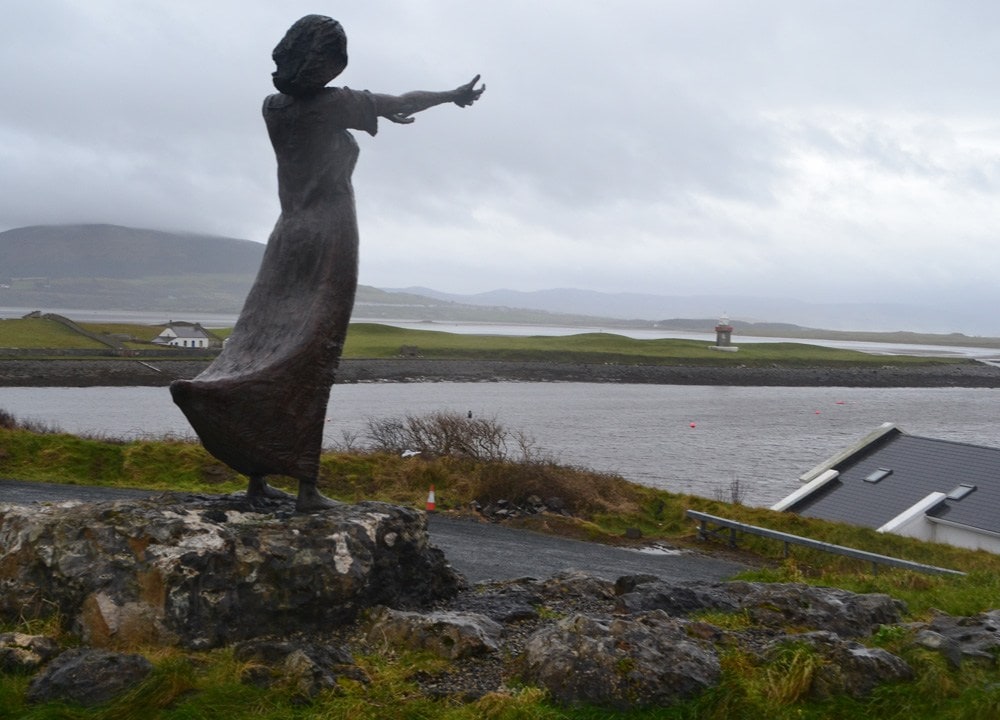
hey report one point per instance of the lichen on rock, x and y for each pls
(203, 571)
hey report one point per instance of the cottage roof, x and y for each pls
(893, 472)
(186, 331)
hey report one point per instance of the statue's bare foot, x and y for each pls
(310, 499)
(258, 488)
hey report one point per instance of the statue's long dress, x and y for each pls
(260, 406)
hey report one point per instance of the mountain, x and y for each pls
(109, 267)
(112, 251)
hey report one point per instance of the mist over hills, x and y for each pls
(109, 267)
(112, 251)
(884, 317)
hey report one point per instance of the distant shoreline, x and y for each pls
(124, 373)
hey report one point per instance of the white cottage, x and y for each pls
(184, 335)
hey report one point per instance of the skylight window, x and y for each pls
(879, 474)
(961, 491)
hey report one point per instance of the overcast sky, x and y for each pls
(820, 150)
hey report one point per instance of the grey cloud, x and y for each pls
(755, 145)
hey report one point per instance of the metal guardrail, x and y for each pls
(704, 520)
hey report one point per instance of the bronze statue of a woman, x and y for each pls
(260, 407)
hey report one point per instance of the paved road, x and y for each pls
(480, 551)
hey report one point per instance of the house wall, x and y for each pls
(926, 528)
(963, 537)
(190, 342)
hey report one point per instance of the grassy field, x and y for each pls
(383, 341)
(206, 685)
(41, 334)
(368, 340)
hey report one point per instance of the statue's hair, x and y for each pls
(312, 53)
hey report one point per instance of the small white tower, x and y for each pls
(724, 336)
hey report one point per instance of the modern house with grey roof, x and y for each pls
(936, 490)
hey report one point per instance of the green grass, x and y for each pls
(366, 340)
(42, 334)
(369, 340)
(189, 685)
(603, 505)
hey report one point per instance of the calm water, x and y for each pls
(763, 437)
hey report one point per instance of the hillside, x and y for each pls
(109, 267)
(112, 251)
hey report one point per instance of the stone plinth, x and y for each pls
(203, 571)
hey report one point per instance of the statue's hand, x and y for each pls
(401, 118)
(467, 94)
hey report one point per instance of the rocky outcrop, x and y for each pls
(21, 653)
(500, 510)
(203, 571)
(846, 667)
(625, 662)
(306, 667)
(769, 604)
(450, 635)
(975, 638)
(88, 677)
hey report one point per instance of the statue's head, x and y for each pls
(312, 53)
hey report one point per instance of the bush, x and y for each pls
(8, 421)
(450, 434)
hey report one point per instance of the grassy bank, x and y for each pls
(382, 341)
(368, 340)
(602, 506)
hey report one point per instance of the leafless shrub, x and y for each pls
(733, 493)
(350, 442)
(8, 421)
(451, 434)
(388, 435)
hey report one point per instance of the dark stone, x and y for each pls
(628, 583)
(307, 667)
(574, 583)
(88, 677)
(965, 638)
(21, 653)
(849, 668)
(556, 504)
(504, 602)
(625, 663)
(447, 634)
(770, 604)
(156, 571)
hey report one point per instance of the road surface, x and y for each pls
(480, 551)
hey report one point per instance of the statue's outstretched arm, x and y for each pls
(400, 108)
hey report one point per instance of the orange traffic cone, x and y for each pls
(430, 500)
